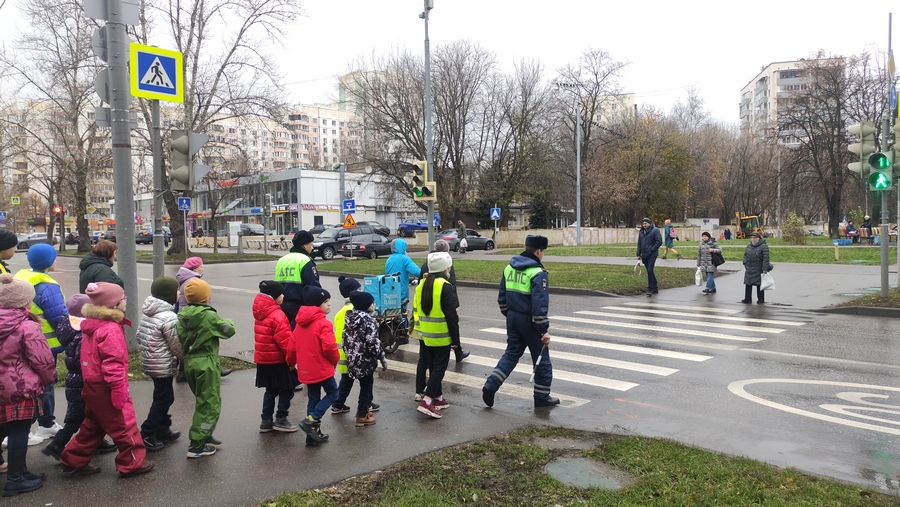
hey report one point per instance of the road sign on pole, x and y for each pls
(15, 200)
(349, 206)
(495, 214)
(156, 73)
(184, 203)
(350, 223)
(437, 220)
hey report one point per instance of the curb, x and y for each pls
(864, 311)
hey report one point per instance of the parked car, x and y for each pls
(97, 236)
(26, 241)
(111, 235)
(367, 245)
(331, 240)
(379, 228)
(146, 237)
(409, 226)
(474, 241)
(318, 229)
(72, 238)
(815, 232)
(251, 230)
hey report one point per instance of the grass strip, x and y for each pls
(508, 470)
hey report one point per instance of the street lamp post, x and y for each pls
(574, 88)
(429, 153)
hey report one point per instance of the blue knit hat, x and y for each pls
(41, 256)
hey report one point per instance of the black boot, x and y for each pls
(461, 354)
(18, 480)
(53, 449)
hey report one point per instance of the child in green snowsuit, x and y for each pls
(199, 330)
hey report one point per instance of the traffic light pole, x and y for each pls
(429, 153)
(159, 237)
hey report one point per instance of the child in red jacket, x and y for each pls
(274, 357)
(317, 355)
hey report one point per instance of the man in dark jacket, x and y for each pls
(295, 271)
(649, 241)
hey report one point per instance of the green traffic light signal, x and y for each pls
(879, 181)
(879, 161)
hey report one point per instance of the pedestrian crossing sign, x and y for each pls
(156, 73)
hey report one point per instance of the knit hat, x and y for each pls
(192, 263)
(41, 256)
(105, 294)
(271, 288)
(7, 239)
(302, 237)
(15, 293)
(439, 261)
(754, 233)
(539, 242)
(348, 285)
(362, 301)
(315, 296)
(76, 303)
(197, 291)
(646, 220)
(165, 288)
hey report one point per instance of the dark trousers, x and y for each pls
(365, 394)
(521, 335)
(158, 419)
(17, 431)
(70, 427)
(650, 263)
(48, 404)
(436, 361)
(760, 294)
(284, 402)
(422, 368)
(317, 405)
(344, 388)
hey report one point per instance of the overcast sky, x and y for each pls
(715, 47)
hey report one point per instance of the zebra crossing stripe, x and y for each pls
(642, 338)
(705, 316)
(659, 329)
(508, 388)
(218, 287)
(771, 330)
(705, 309)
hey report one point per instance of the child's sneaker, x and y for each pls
(213, 441)
(45, 433)
(374, 407)
(367, 420)
(313, 430)
(420, 396)
(282, 424)
(167, 435)
(429, 410)
(199, 452)
(266, 426)
(339, 409)
(152, 444)
(440, 404)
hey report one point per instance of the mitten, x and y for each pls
(383, 365)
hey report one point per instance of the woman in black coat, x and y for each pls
(756, 262)
(97, 266)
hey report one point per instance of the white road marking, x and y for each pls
(525, 369)
(704, 315)
(659, 329)
(822, 358)
(680, 307)
(507, 388)
(654, 339)
(697, 322)
(582, 358)
(616, 346)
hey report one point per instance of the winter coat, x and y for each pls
(104, 352)
(200, 328)
(535, 303)
(317, 352)
(96, 269)
(26, 364)
(756, 260)
(361, 344)
(49, 298)
(71, 338)
(272, 332)
(667, 232)
(649, 241)
(156, 334)
(399, 262)
(183, 276)
(704, 255)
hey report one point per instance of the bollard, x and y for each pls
(836, 255)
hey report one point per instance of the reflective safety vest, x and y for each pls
(287, 272)
(520, 280)
(34, 278)
(3, 268)
(339, 321)
(432, 328)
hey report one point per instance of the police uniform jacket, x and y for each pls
(524, 289)
(295, 271)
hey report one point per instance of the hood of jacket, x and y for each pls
(153, 305)
(96, 315)
(10, 320)
(309, 314)
(91, 259)
(263, 306)
(398, 246)
(185, 274)
(523, 261)
(191, 316)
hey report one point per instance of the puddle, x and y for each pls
(586, 473)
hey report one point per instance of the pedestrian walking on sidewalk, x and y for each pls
(441, 245)
(364, 352)
(756, 262)
(348, 287)
(670, 235)
(436, 324)
(649, 241)
(705, 251)
(317, 355)
(275, 358)
(525, 302)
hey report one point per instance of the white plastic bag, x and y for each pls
(767, 282)
(698, 277)
(637, 268)
(463, 243)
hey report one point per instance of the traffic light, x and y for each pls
(880, 172)
(865, 131)
(184, 172)
(423, 190)
(57, 210)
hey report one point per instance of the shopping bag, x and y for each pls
(698, 277)
(637, 268)
(767, 283)
(717, 259)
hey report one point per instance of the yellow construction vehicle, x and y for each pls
(745, 224)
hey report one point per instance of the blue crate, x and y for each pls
(842, 242)
(386, 291)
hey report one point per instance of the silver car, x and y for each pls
(27, 240)
(474, 241)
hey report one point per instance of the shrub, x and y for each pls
(793, 231)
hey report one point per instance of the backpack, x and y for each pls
(673, 233)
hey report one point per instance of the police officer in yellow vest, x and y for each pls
(8, 244)
(50, 305)
(295, 271)
(524, 299)
(436, 324)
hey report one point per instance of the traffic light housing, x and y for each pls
(865, 131)
(422, 189)
(881, 173)
(184, 172)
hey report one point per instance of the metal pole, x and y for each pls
(885, 137)
(778, 211)
(159, 237)
(120, 97)
(342, 189)
(578, 169)
(429, 153)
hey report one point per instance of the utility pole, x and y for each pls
(885, 138)
(429, 153)
(159, 236)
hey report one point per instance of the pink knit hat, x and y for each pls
(192, 263)
(105, 294)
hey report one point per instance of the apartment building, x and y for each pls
(761, 97)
